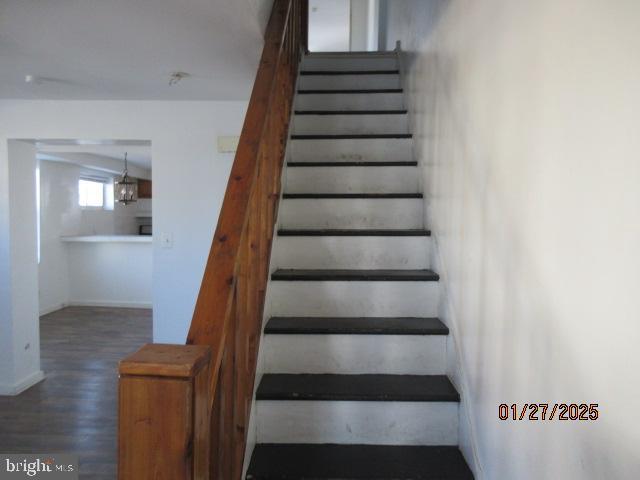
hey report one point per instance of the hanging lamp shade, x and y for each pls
(126, 188)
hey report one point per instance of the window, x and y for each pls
(95, 192)
(91, 193)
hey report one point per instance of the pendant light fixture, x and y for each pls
(126, 188)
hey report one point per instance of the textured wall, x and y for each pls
(525, 115)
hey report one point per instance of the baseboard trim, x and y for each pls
(21, 386)
(466, 413)
(102, 303)
(55, 308)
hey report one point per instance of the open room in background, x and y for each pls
(94, 250)
(81, 255)
(69, 241)
(343, 25)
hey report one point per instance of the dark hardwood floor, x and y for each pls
(74, 410)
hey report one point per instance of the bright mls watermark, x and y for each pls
(47, 466)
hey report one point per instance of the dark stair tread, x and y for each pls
(361, 232)
(355, 136)
(341, 54)
(356, 462)
(350, 112)
(352, 164)
(355, 326)
(352, 91)
(292, 196)
(305, 73)
(354, 275)
(369, 387)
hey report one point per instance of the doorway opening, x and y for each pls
(80, 296)
(346, 25)
(94, 250)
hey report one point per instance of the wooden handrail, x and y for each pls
(228, 314)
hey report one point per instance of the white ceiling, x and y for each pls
(127, 49)
(105, 155)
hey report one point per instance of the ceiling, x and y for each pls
(105, 155)
(127, 49)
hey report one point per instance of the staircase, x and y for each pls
(355, 384)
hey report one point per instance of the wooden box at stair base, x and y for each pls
(162, 404)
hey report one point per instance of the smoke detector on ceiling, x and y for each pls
(175, 77)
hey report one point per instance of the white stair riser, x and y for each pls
(350, 124)
(352, 180)
(352, 213)
(354, 299)
(350, 63)
(348, 82)
(352, 252)
(354, 354)
(349, 101)
(353, 150)
(382, 423)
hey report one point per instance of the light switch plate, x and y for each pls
(228, 144)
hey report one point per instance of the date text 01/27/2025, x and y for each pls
(548, 411)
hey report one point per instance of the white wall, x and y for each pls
(329, 25)
(19, 327)
(6, 317)
(373, 28)
(57, 215)
(61, 216)
(110, 273)
(343, 25)
(359, 25)
(364, 25)
(526, 119)
(189, 178)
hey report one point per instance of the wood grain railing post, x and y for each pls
(185, 410)
(304, 35)
(163, 420)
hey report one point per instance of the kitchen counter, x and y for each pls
(110, 270)
(109, 238)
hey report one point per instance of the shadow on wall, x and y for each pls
(506, 178)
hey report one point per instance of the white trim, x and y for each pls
(98, 303)
(51, 309)
(113, 304)
(108, 238)
(466, 402)
(22, 385)
(466, 410)
(349, 54)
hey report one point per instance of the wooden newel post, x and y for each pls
(163, 429)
